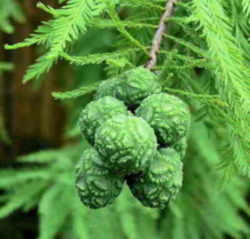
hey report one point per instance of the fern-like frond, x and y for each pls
(79, 218)
(120, 27)
(53, 210)
(231, 74)
(69, 22)
(24, 194)
(205, 209)
(48, 156)
(76, 93)
(99, 57)
(246, 7)
(107, 23)
(11, 177)
(143, 4)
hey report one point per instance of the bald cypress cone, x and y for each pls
(181, 147)
(168, 115)
(96, 186)
(161, 182)
(131, 87)
(97, 112)
(126, 143)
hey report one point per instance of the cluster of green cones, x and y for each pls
(138, 135)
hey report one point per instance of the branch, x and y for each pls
(169, 9)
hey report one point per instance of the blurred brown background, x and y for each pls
(32, 118)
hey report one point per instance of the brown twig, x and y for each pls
(169, 9)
